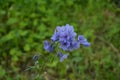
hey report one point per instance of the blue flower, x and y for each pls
(65, 35)
(69, 46)
(48, 46)
(74, 45)
(64, 45)
(55, 37)
(83, 40)
(62, 56)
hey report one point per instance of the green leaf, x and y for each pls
(11, 21)
(27, 47)
(2, 72)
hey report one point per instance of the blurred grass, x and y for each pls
(24, 24)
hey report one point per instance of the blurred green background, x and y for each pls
(24, 24)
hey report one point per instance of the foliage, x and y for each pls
(24, 24)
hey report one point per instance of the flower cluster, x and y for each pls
(66, 37)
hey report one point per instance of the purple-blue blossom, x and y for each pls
(55, 37)
(62, 56)
(69, 46)
(65, 35)
(82, 40)
(48, 46)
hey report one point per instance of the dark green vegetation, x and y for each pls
(24, 24)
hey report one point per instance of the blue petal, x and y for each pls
(87, 44)
(63, 57)
(48, 46)
(59, 54)
(55, 36)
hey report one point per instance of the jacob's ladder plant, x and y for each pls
(64, 40)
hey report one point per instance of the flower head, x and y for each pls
(48, 46)
(65, 35)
